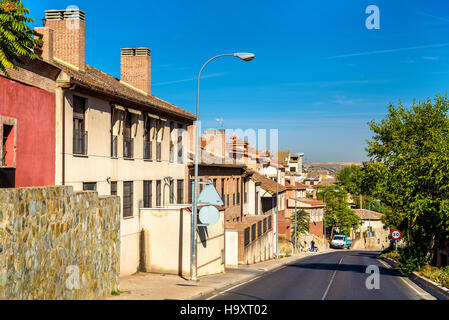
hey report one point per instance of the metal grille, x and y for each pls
(246, 236)
(158, 193)
(269, 223)
(127, 199)
(253, 232)
(259, 229)
(80, 142)
(114, 146)
(89, 186)
(128, 148)
(113, 188)
(180, 191)
(147, 194)
(158, 151)
(264, 225)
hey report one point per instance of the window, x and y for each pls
(148, 194)
(180, 150)
(128, 142)
(222, 190)
(158, 193)
(114, 146)
(245, 195)
(147, 145)
(253, 232)
(270, 222)
(89, 186)
(259, 229)
(172, 192)
(79, 126)
(172, 142)
(238, 191)
(246, 237)
(160, 133)
(180, 191)
(8, 157)
(264, 225)
(127, 199)
(113, 188)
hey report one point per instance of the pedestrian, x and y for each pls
(383, 246)
(312, 246)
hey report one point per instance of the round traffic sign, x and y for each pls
(396, 234)
(209, 215)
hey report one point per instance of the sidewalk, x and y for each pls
(150, 286)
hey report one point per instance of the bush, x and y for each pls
(411, 259)
(393, 255)
(438, 275)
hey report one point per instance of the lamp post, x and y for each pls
(277, 213)
(324, 217)
(193, 266)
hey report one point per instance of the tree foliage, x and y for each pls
(339, 217)
(16, 38)
(302, 223)
(409, 170)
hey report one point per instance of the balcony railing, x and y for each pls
(80, 142)
(128, 148)
(114, 146)
(147, 150)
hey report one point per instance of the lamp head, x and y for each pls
(245, 56)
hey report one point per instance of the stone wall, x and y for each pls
(58, 244)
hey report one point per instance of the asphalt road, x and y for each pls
(339, 275)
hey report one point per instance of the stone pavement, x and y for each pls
(151, 286)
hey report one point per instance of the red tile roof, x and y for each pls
(365, 214)
(95, 80)
(267, 184)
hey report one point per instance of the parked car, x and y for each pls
(340, 241)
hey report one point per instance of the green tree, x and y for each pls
(16, 38)
(339, 217)
(409, 166)
(302, 223)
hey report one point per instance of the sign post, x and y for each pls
(396, 235)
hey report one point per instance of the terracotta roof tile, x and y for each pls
(267, 184)
(365, 214)
(99, 81)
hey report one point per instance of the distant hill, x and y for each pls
(330, 166)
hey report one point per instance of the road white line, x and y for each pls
(332, 280)
(423, 293)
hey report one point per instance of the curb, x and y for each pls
(248, 278)
(427, 284)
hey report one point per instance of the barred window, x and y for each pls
(253, 232)
(246, 237)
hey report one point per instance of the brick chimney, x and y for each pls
(69, 35)
(215, 141)
(46, 51)
(136, 68)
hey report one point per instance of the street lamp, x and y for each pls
(324, 217)
(193, 267)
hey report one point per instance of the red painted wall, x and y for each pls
(34, 110)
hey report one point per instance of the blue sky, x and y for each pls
(319, 75)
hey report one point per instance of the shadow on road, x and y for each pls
(356, 268)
